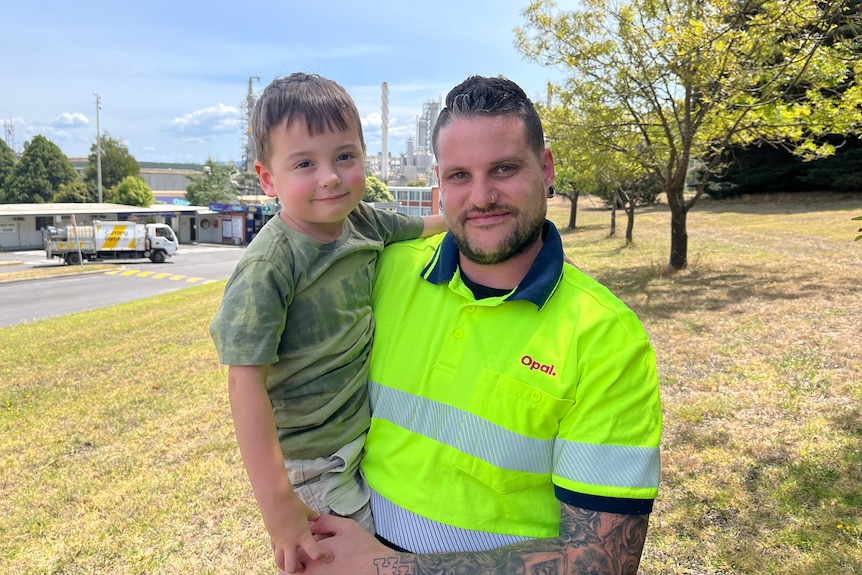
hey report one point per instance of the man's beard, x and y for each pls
(527, 230)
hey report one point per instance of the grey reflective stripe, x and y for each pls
(422, 535)
(462, 430)
(612, 465)
(592, 464)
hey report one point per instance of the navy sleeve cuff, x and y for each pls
(604, 504)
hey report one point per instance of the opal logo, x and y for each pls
(543, 367)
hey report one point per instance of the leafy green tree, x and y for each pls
(247, 183)
(7, 164)
(37, 176)
(691, 78)
(117, 164)
(213, 186)
(74, 193)
(133, 191)
(376, 191)
(580, 166)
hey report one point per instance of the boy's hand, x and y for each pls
(290, 532)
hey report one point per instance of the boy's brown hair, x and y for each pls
(319, 102)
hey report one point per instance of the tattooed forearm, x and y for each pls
(590, 543)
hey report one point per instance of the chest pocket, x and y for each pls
(507, 439)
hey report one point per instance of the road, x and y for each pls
(33, 300)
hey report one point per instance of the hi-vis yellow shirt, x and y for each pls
(486, 414)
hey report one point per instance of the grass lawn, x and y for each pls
(117, 453)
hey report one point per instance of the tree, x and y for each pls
(134, 191)
(37, 176)
(691, 78)
(72, 193)
(607, 171)
(7, 164)
(247, 183)
(213, 186)
(117, 164)
(376, 191)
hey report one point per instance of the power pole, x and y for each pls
(384, 132)
(9, 129)
(98, 147)
(249, 154)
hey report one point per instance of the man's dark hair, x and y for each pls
(322, 104)
(482, 96)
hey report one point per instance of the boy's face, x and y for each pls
(318, 179)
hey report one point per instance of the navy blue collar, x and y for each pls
(537, 286)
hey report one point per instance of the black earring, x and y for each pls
(552, 191)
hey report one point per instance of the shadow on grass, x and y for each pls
(787, 203)
(665, 294)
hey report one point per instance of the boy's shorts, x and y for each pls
(334, 484)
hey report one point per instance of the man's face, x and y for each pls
(492, 186)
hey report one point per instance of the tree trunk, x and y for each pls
(630, 221)
(678, 237)
(573, 212)
(678, 227)
(614, 215)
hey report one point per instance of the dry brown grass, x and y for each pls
(117, 453)
(760, 361)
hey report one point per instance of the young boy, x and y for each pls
(295, 324)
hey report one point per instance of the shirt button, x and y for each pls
(459, 333)
(536, 396)
(471, 308)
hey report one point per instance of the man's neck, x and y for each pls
(504, 275)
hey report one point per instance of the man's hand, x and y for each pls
(355, 551)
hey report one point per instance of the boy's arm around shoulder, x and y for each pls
(589, 542)
(433, 225)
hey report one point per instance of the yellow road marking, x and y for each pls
(159, 276)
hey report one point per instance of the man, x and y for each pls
(516, 416)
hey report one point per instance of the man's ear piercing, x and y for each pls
(552, 191)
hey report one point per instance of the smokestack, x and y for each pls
(385, 131)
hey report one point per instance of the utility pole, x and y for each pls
(98, 147)
(249, 155)
(384, 128)
(9, 128)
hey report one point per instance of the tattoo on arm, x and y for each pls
(590, 542)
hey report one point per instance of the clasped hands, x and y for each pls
(352, 550)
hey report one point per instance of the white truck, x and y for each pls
(110, 240)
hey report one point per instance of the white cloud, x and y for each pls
(207, 122)
(70, 120)
(373, 119)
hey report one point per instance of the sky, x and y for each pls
(172, 77)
